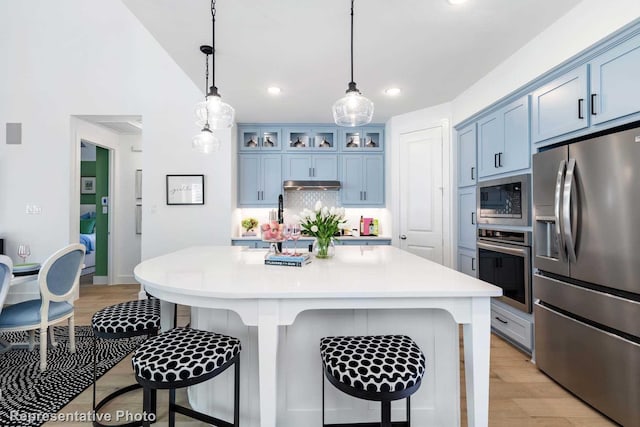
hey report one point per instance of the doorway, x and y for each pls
(423, 205)
(95, 177)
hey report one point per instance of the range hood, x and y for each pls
(311, 185)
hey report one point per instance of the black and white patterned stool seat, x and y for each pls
(380, 363)
(128, 317)
(182, 354)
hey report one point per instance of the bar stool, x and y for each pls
(380, 368)
(124, 320)
(183, 357)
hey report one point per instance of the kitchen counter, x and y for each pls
(256, 242)
(280, 313)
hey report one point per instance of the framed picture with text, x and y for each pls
(185, 189)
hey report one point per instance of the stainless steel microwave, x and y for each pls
(504, 201)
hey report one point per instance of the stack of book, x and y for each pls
(297, 260)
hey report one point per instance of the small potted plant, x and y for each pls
(249, 225)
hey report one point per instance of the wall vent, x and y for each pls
(14, 133)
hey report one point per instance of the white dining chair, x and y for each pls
(6, 267)
(58, 281)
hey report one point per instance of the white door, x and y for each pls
(421, 193)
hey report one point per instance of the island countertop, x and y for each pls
(354, 272)
(362, 290)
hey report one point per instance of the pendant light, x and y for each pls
(205, 142)
(353, 109)
(214, 112)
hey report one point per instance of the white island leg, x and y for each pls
(477, 342)
(267, 361)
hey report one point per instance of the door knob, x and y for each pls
(403, 237)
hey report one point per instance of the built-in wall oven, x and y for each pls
(504, 259)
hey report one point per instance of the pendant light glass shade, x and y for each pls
(214, 111)
(353, 109)
(205, 142)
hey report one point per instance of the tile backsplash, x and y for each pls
(296, 201)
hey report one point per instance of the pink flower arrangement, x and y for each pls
(272, 231)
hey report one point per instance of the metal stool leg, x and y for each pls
(386, 414)
(236, 395)
(172, 410)
(146, 405)
(408, 411)
(94, 371)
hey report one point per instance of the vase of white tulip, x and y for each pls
(322, 223)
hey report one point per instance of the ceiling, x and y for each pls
(430, 49)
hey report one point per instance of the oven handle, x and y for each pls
(556, 204)
(522, 251)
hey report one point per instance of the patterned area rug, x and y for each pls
(30, 398)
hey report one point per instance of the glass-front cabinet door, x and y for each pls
(311, 139)
(259, 138)
(368, 138)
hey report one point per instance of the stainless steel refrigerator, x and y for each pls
(586, 281)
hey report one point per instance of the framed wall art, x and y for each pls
(185, 189)
(88, 185)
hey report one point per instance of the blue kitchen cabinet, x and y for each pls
(490, 139)
(467, 172)
(467, 262)
(561, 106)
(503, 139)
(257, 138)
(362, 180)
(259, 180)
(615, 86)
(316, 138)
(467, 217)
(366, 138)
(300, 166)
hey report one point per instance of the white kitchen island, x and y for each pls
(279, 314)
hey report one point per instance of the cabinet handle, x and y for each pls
(580, 101)
(258, 194)
(313, 172)
(361, 195)
(473, 169)
(473, 214)
(593, 104)
(261, 195)
(309, 171)
(365, 195)
(500, 320)
(495, 160)
(500, 160)
(473, 264)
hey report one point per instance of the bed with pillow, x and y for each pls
(88, 238)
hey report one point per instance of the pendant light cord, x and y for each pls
(352, 40)
(213, 45)
(206, 81)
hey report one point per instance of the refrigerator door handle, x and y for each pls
(566, 210)
(556, 203)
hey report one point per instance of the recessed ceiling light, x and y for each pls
(274, 90)
(392, 91)
(456, 1)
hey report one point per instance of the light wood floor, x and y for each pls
(520, 395)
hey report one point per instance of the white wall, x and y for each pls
(76, 57)
(439, 115)
(584, 25)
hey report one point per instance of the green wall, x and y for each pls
(102, 219)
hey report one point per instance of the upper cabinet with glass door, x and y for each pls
(255, 138)
(316, 138)
(367, 138)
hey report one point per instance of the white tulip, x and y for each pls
(332, 211)
(325, 212)
(314, 228)
(318, 206)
